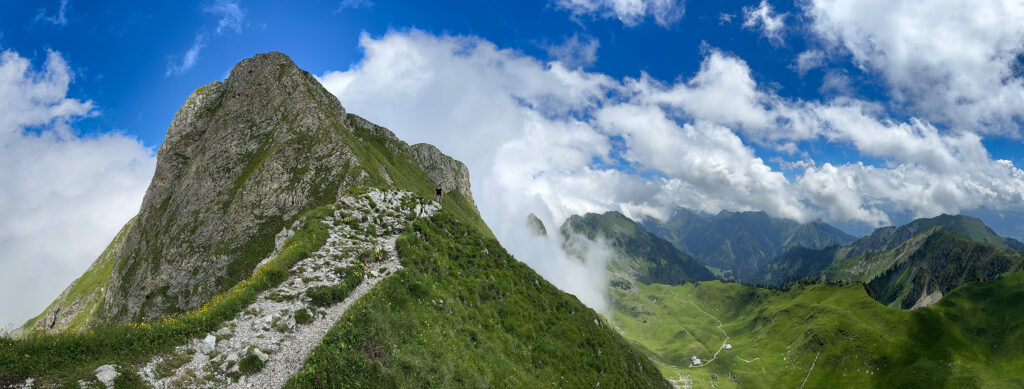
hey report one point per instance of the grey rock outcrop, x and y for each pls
(442, 169)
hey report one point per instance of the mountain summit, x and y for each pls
(241, 160)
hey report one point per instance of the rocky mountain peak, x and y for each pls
(242, 159)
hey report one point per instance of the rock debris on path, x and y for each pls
(268, 329)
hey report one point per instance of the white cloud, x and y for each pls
(230, 16)
(353, 4)
(810, 59)
(951, 61)
(539, 137)
(772, 25)
(188, 60)
(666, 13)
(575, 53)
(63, 196)
(59, 18)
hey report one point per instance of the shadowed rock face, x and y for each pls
(241, 160)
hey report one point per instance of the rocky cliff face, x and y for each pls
(241, 160)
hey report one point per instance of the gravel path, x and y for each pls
(268, 329)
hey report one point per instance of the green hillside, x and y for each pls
(740, 243)
(944, 261)
(464, 313)
(828, 335)
(642, 254)
(887, 238)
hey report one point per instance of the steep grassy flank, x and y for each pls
(650, 257)
(887, 238)
(87, 289)
(63, 358)
(464, 313)
(944, 261)
(973, 338)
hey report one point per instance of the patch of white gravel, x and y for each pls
(267, 328)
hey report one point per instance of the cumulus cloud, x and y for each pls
(543, 138)
(230, 17)
(575, 52)
(666, 13)
(772, 25)
(64, 196)
(955, 62)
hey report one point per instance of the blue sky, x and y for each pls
(860, 113)
(120, 50)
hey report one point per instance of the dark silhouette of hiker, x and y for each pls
(438, 192)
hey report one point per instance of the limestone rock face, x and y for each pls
(442, 169)
(241, 160)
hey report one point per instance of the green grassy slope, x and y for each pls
(972, 338)
(887, 238)
(464, 313)
(944, 261)
(62, 358)
(652, 258)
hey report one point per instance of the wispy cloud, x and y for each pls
(231, 15)
(574, 52)
(59, 18)
(188, 60)
(666, 13)
(230, 19)
(763, 16)
(354, 4)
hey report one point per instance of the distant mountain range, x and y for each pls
(936, 302)
(909, 266)
(738, 244)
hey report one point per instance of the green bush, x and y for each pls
(323, 296)
(250, 364)
(303, 316)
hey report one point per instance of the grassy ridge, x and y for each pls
(972, 338)
(464, 313)
(64, 357)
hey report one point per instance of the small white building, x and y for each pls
(728, 346)
(694, 361)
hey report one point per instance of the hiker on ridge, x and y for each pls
(438, 193)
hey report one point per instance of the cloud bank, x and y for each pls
(539, 137)
(63, 196)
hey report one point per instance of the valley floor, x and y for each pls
(824, 336)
